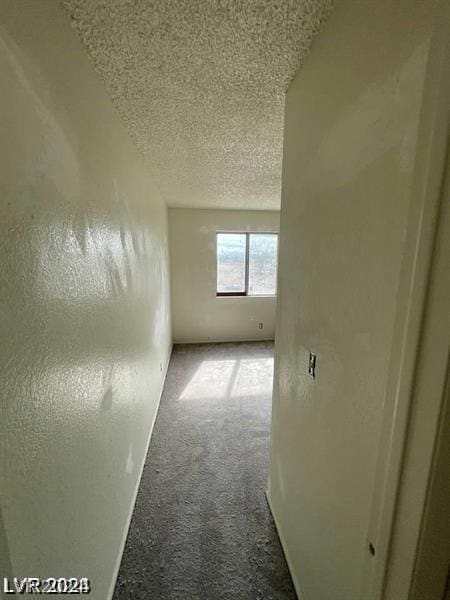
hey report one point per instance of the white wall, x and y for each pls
(351, 122)
(197, 314)
(84, 306)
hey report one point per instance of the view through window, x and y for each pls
(247, 264)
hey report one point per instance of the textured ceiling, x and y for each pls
(200, 85)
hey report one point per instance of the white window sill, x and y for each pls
(252, 297)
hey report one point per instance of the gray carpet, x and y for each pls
(201, 528)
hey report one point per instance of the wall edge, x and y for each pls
(128, 522)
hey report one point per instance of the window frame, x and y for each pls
(245, 293)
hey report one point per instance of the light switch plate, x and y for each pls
(312, 365)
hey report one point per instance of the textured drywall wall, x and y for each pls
(351, 122)
(197, 314)
(84, 306)
(200, 86)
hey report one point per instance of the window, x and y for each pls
(247, 264)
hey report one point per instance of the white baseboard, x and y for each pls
(222, 341)
(300, 594)
(125, 534)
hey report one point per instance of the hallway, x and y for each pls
(201, 527)
(181, 183)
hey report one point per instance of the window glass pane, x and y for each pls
(263, 257)
(231, 262)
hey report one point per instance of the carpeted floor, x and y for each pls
(201, 528)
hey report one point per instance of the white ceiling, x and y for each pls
(200, 85)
